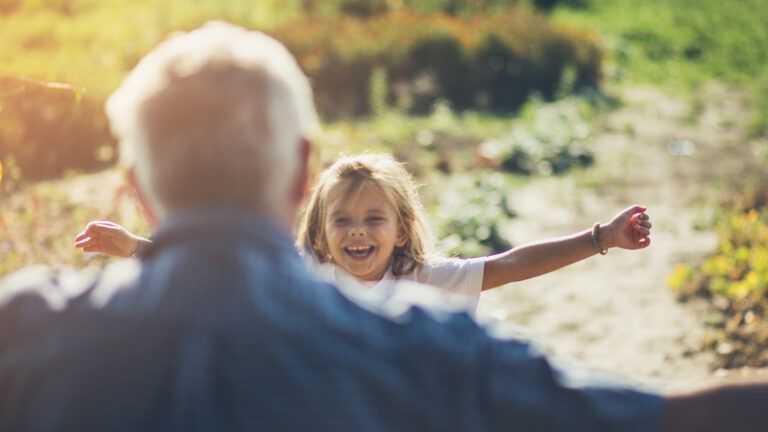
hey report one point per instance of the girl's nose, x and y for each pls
(357, 231)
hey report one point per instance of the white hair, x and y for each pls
(213, 116)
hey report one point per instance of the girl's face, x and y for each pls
(362, 231)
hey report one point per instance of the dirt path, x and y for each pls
(615, 312)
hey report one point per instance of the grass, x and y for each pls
(683, 44)
(683, 40)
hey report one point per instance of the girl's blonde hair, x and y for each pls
(396, 184)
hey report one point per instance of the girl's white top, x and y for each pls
(455, 276)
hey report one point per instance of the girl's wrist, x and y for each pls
(598, 238)
(135, 247)
(609, 240)
(141, 247)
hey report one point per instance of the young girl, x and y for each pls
(364, 219)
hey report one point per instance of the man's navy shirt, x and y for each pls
(220, 327)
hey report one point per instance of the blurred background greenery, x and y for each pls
(465, 91)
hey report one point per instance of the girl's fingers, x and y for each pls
(642, 230)
(103, 223)
(86, 243)
(98, 231)
(83, 239)
(107, 233)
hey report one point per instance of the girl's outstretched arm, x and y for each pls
(109, 238)
(629, 229)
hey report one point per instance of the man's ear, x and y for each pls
(302, 173)
(138, 195)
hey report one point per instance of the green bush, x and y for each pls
(368, 8)
(9, 6)
(535, 147)
(469, 213)
(364, 8)
(483, 61)
(459, 7)
(735, 280)
(46, 129)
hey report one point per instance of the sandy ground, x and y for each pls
(615, 312)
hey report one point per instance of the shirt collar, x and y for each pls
(221, 222)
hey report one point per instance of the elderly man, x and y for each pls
(221, 327)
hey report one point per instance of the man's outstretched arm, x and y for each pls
(737, 406)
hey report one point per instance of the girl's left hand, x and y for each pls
(630, 229)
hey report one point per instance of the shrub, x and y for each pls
(469, 215)
(363, 8)
(488, 61)
(459, 7)
(548, 5)
(367, 8)
(735, 279)
(9, 6)
(535, 147)
(46, 129)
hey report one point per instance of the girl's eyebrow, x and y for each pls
(337, 213)
(343, 212)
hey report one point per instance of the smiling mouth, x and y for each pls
(359, 252)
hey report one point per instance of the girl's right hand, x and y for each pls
(108, 238)
(630, 229)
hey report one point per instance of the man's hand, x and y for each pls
(108, 238)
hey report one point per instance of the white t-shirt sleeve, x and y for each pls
(454, 275)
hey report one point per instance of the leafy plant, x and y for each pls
(48, 128)
(470, 212)
(735, 279)
(535, 146)
(492, 61)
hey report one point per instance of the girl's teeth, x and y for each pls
(359, 251)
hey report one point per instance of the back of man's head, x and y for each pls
(214, 117)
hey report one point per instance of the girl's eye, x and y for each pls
(376, 219)
(341, 221)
